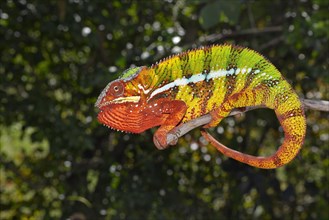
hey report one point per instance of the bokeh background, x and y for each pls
(58, 162)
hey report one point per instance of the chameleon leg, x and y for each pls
(176, 110)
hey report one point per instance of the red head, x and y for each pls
(123, 103)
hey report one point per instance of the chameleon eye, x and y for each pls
(116, 88)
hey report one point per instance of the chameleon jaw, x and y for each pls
(121, 100)
(113, 114)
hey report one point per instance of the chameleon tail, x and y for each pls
(291, 117)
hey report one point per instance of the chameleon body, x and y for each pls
(214, 79)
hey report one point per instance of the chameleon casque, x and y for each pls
(214, 79)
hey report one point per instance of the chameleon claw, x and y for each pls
(162, 141)
(159, 143)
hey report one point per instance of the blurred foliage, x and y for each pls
(56, 161)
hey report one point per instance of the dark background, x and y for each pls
(57, 161)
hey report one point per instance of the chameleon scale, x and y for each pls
(215, 80)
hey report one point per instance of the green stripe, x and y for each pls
(207, 59)
(184, 61)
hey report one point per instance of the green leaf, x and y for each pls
(231, 10)
(81, 199)
(209, 15)
(219, 11)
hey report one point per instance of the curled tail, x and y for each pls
(290, 113)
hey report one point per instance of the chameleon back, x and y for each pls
(207, 77)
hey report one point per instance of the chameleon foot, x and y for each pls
(160, 140)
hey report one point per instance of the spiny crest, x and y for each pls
(234, 54)
(163, 60)
(184, 53)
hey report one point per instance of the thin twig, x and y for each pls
(271, 43)
(319, 105)
(217, 37)
(182, 129)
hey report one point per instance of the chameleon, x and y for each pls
(209, 80)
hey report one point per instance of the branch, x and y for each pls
(319, 105)
(182, 129)
(251, 31)
(271, 43)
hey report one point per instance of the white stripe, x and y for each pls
(230, 72)
(146, 91)
(216, 74)
(198, 78)
(130, 99)
(163, 88)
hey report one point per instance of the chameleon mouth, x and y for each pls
(115, 117)
(120, 100)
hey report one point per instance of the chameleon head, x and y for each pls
(122, 102)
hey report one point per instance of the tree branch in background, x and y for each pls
(319, 105)
(217, 37)
(179, 131)
(271, 43)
